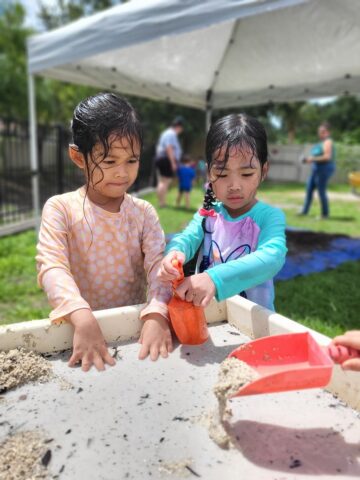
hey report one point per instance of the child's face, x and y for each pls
(113, 175)
(236, 184)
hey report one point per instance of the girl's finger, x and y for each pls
(353, 364)
(181, 290)
(189, 296)
(144, 351)
(205, 301)
(349, 339)
(86, 362)
(163, 351)
(167, 277)
(98, 362)
(107, 358)
(197, 301)
(169, 345)
(74, 359)
(154, 352)
(171, 270)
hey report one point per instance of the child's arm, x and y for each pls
(182, 246)
(350, 339)
(246, 272)
(63, 294)
(155, 335)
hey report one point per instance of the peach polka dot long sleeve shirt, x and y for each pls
(95, 259)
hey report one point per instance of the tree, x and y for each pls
(344, 117)
(65, 11)
(56, 100)
(290, 113)
(13, 82)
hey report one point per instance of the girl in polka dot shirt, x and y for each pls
(99, 247)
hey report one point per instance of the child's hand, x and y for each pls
(199, 289)
(155, 337)
(350, 339)
(168, 272)
(89, 345)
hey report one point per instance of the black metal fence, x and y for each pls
(57, 173)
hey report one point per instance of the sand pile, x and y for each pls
(19, 366)
(24, 456)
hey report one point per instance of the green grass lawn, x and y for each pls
(20, 297)
(174, 219)
(324, 301)
(344, 214)
(327, 302)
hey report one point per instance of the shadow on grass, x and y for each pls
(335, 218)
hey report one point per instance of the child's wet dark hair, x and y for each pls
(99, 117)
(235, 130)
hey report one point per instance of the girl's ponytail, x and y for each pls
(209, 198)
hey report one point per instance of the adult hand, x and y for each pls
(198, 289)
(89, 346)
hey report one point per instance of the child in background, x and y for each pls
(98, 246)
(186, 175)
(241, 240)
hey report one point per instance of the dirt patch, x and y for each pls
(24, 456)
(19, 366)
(299, 241)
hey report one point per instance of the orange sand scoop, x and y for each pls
(187, 320)
(292, 361)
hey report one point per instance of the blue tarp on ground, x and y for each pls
(340, 250)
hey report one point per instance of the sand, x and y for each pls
(19, 366)
(24, 456)
(233, 375)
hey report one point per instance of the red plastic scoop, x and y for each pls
(286, 362)
(187, 320)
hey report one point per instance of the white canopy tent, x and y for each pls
(205, 53)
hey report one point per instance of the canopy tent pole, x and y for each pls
(208, 115)
(34, 164)
(208, 111)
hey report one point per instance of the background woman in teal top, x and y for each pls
(240, 242)
(323, 167)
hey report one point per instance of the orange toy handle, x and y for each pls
(340, 354)
(178, 265)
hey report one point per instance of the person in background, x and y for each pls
(186, 175)
(168, 155)
(323, 167)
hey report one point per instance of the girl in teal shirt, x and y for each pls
(238, 242)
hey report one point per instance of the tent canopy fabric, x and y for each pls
(209, 53)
